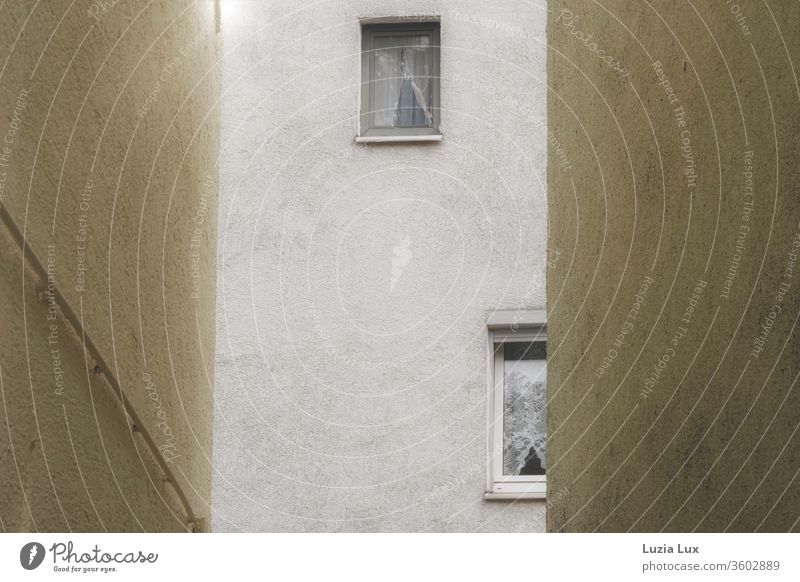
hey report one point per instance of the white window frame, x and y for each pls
(503, 326)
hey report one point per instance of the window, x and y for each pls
(400, 82)
(518, 405)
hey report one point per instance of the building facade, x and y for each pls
(108, 174)
(359, 271)
(674, 330)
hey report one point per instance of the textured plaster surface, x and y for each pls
(711, 443)
(111, 180)
(354, 280)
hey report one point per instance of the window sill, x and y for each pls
(398, 138)
(532, 496)
(513, 489)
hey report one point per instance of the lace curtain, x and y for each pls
(525, 403)
(403, 81)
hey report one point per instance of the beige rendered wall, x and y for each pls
(675, 299)
(108, 177)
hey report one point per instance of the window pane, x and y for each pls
(524, 414)
(402, 86)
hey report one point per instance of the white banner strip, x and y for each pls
(401, 557)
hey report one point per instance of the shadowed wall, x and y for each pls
(108, 184)
(674, 355)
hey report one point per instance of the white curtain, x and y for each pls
(525, 417)
(403, 81)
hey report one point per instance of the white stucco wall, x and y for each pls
(349, 398)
